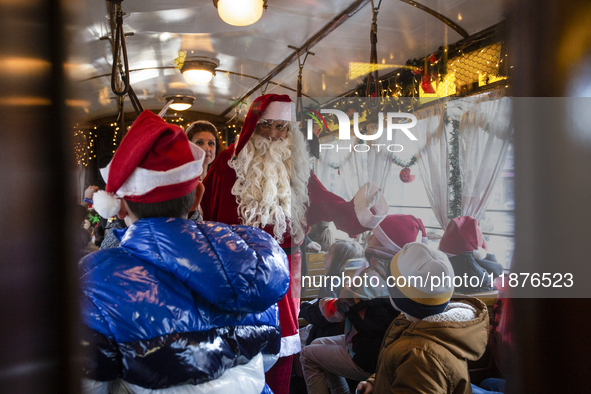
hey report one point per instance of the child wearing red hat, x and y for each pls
(464, 244)
(179, 306)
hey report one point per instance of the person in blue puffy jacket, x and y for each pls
(179, 307)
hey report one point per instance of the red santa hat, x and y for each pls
(155, 162)
(395, 231)
(463, 235)
(268, 106)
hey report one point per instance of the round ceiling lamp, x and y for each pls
(199, 70)
(179, 102)
(240, 12)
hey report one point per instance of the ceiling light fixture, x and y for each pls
(240, 12)
(180, 102)
(199, 70)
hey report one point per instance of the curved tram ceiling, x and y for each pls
(337, 31)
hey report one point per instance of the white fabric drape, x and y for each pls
(432, 158)
(359, 167)
(485, 129)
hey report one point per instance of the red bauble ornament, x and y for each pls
(406, 176)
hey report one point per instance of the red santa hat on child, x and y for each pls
(155, 162)
(268, 106)
(463, 235)
(395, 231)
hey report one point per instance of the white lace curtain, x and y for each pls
(432, 158)
(486, 129)
(357, 168)
(485, 132)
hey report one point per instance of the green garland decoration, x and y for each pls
(400, 163)
(455, 180)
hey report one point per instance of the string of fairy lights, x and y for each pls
(85, 138)
(84, 145)
(451, 72)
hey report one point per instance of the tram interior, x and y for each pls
(77, 74)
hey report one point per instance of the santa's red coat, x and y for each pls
(219, 204)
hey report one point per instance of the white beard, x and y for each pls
(271, 185)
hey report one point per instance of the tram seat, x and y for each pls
(315, 265)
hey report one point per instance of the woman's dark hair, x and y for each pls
(341, 252)
(204, 125)
(320, 232)
(177, 208)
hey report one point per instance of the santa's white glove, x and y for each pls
(370, 205)
(371, 198)
(313, 247)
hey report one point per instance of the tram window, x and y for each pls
(411, 199)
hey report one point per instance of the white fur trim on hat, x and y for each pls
(277, 110)
(141, 181)
(480, 254)
(385, 241)
(105, 204)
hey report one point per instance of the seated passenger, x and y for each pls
(366, 310)
(334, 263)
(465, 246)
(178, 306)
(427, 347)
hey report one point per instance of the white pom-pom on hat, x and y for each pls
(480, 254)
(105, 204)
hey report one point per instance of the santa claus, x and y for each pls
(264, 180)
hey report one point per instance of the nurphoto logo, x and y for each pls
(345, 131)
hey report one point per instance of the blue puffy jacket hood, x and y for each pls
(184, 301)
(228, 265)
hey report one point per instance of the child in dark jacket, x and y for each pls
(178, 306)
(427, 347)
(334, 263)
(366, 310)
